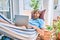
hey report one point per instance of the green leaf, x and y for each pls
(32, 0)
(49, 28)
(35, 4)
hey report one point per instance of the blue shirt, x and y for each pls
(37, 22)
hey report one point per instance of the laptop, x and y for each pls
(21, 20)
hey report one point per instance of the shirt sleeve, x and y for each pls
(41, 23)
(31, 23)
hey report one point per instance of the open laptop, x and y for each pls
(21, 20)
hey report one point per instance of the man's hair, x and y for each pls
(33, 12)
(40, 12)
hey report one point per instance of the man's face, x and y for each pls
(36, 15)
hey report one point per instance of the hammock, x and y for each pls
(17, 32)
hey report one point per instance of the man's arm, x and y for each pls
(40, 31)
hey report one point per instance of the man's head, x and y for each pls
(41, 14)
(36, 14)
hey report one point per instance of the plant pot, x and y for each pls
(47, 35)
(58, 36)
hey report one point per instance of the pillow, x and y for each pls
(42, 14)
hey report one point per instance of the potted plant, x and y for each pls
(35, 4)
(49, 28)
(57, 29)
(49, 32)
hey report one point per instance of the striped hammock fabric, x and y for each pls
(6, 19)
(17, 32)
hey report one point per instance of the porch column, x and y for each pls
(50, 12)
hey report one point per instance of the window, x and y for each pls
(5, 8)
